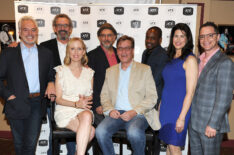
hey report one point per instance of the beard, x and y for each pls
(63, 34)
(107, 44)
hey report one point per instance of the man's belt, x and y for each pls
(32, 95)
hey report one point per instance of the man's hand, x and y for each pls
(50, 91)
(210, 132)
(12, 97)
(99, 110)
(13, 44)
(114, 114)
(128, 115)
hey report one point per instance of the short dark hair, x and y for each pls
(106, 26)
(211, 24)
(155, 28)
(62, 16)
(124, 38)
(188, 48)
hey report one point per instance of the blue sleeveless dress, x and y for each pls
(172, 102)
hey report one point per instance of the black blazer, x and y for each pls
(157, 61)
(12, 71)
(52, 45)
(99, 63)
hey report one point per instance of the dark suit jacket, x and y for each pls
(52, 45)
(99, 63)
(12, 71)
(157, 61)
(213, 95)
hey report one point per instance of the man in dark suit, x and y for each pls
(155, 56)
(213, 95)
(62, 26)
(100, 59)
(28, 72)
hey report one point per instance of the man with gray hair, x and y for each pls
(28, 72)
(62, 26)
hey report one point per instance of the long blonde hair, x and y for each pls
(67, 59)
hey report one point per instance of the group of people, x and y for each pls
(170, 91)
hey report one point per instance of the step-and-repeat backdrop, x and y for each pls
(129, 19)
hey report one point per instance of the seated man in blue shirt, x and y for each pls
(128, 98)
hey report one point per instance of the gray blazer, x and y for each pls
(213, 95)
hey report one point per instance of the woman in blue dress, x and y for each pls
(180, 79)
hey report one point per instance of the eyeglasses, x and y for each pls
(124, 48)
(106, 35)
(208, 36)
(62, 25)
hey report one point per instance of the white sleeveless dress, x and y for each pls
(72, 87)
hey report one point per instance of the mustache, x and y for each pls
(60, 31)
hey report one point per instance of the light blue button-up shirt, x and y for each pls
(122, 101)
(31, 66)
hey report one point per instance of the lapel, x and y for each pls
(132, 75)
(40, 57)
(209, 65)
(115, 78)
(57, 57)
(103, 56)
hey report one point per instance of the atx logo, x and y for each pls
(101, 22)
(170, 10)
(43, 142)
(39, 9)
(119, 10)
(23, 9)
(86, 22)
(85, 10)
(188, 11)
(152, 22)
(40, 22)
(55, 10)
(102, 11)
(153, 10)
(169, 24)
(71, 10)
(85, 36)
(135, 24)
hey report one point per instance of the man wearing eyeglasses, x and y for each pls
(213, 95)
(128, 98)
(62, 26)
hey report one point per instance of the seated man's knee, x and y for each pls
(135, 134)
(101, 131)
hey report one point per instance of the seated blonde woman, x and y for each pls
(74, 83)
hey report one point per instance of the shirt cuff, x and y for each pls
(106, 113)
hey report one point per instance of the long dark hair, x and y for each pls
(188, 48)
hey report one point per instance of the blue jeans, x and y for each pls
(135, 129)
(26, 131)
(71, 145)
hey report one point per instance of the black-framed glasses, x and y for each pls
(208, 36)
(124, 48)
